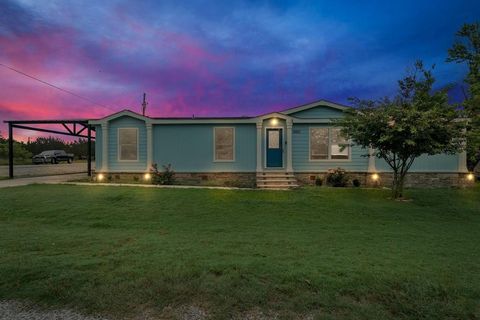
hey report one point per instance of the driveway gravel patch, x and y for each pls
(14, 310)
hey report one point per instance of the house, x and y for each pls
(279, 149)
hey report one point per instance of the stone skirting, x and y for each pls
(225, 179)
(248, 179)
(385, 179)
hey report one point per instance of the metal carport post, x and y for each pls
(20, 124)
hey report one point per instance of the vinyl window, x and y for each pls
(128, 144)
(318, 143)
(224, 144)
(339, 147)
(328, 144)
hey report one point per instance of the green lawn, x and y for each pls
(323, 253)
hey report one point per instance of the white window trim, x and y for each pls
(119, 151)
(215, 145)
(329, 150)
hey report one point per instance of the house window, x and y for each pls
(224, 144)
(338, 145)
(128, 144)
(328, 144)
(318, 143)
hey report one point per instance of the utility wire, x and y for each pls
(56, 87)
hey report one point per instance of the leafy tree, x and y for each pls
(466, 49)
(19, 149)
(46, 143)
(23, 151)
(78, 147)
(416, 121)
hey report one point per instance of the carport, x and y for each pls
(74, 128)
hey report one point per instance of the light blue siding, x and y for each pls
(189, 148)
(301, 156)
(319, 112)
(120, 166)
(98, 147)
(436, 163)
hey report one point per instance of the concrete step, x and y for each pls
(277, 181)
(275, 175)
(278, 186)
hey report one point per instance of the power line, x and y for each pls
(56, 87)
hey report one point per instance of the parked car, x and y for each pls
(52, 156)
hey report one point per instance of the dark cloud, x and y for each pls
(221, 57)
(16, 20)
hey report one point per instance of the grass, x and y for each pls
(16, 161)
(324, 253)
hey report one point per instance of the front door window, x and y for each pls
(273, 139)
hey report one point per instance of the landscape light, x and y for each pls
(274, 121)
(470, 176)
(100, 177)
(375, 177)
(147, 176)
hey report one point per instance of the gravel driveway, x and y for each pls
(13, 310)
(32, 170)
(5, 183)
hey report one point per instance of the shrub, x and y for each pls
(356, 183)
(166, 177)
(318, 181)
(337, 177)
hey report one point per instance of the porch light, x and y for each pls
(147, 176)
(100, 176)
(274, 121)
(470, 176)
(375, 177)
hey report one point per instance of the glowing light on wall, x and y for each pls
(147, 176)
(274, 122)
(375, 177)
(470, 177)
(100, 177)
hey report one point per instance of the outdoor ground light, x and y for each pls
(274, 121)
(470, 176)
(100, 177)
(147, 176)
(375, 177)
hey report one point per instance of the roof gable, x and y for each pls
(119, 114)
(315, 104)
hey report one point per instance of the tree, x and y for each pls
(416, 121)
(19, 150)
(45, 143)
(78, 147)
(466, 49)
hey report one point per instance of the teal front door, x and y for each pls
(274, 148)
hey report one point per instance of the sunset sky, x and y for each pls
(215, 58)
